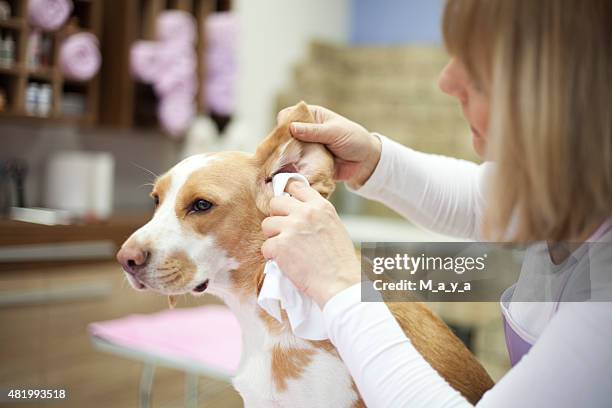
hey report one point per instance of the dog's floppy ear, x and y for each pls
(282, 153)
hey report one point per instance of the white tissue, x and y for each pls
(278, 292)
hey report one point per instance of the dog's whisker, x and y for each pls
(145, 169)
(160, 277)
(182, 277)
(172, 280)
(167, 278)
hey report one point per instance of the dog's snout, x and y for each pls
(131, 258)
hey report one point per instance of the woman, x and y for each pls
(533, 79)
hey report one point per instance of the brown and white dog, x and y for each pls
(206, 235)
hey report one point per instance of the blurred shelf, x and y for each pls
(76, 82)
(28, 236)
(44, 73)
(24, 117)
(12, 23)
(22, 233)
(14, 69)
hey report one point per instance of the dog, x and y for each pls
(205, 236)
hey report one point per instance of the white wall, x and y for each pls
(274, 35)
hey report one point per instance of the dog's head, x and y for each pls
(206, 229)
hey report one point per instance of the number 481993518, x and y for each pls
(33, 393)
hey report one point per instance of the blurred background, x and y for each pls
(99, 96)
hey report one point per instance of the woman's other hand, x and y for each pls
(356, 151)
(309, 243)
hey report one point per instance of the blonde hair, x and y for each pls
(546, 66)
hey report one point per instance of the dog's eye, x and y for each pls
(156, 200)
(201, 205)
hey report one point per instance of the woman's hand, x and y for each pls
(309, 243)
(356, 151)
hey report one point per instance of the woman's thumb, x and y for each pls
(312, 132)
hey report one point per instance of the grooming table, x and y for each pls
(201, 341)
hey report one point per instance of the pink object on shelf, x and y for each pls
(174, 80)
(176, 26)
(222, 28)
(145, 60)
(79, 56)
(219, 92)
(176, 112)
(179, 71)
(208, 335)
(49, 14)
(170, 65)
(152, 60)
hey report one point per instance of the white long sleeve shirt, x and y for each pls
(570, 364)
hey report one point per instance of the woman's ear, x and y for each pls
(282, 153)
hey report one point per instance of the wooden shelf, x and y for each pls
(15, 69)
(75, 82)
(44, 73)
(13, 23)
(15, 79)
(116, 229)
(62, 119)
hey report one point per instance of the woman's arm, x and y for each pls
(570, 365)
(439, 193)
(387, 369)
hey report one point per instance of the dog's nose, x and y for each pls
(131, 257)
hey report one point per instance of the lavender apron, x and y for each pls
(518, 340)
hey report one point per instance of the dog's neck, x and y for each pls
(261, 332)
(240, 294)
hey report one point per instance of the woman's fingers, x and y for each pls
(269, 248)
(283, 205)
(301, 191)
(314, 132)
(319, 132)
(272, 226)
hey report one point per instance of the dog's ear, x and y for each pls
(282, 153)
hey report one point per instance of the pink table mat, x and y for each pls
(209, 335)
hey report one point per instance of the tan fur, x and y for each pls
(288, 363)
(273, 325)
(359, 403)
(325, 345)
(162, 185)
(442, 349)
